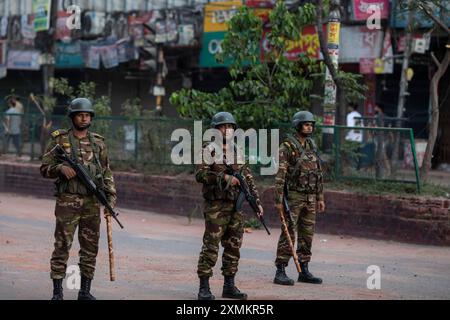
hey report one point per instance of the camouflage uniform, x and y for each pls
(223, 224)
(300, 168)
(74, 206)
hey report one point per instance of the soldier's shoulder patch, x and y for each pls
(287, 145)
(58, 133)
(96, 135)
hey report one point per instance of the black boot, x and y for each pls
(84, 293)
(58, 289)
(205, 292)
(230, 291)
(306, 276)
(281, 277)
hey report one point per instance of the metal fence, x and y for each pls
(371, 153)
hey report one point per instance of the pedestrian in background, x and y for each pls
(13, 120)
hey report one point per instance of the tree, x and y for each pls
(442, 66)
(269, 89)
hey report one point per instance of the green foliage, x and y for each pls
(353, 86)
(86, 90)
(253, 223)
(131, 108)
(263, 92)
(101, 105)
(61, 86)
(48, 104)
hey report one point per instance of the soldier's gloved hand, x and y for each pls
(321, 206)
(68, 172)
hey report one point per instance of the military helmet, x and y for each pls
(302, 116)
(81, 105)
(222, 118)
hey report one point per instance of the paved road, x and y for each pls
(156, 258)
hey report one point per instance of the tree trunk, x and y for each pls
(434, 86)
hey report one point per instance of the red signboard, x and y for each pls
(363, 9)
(308, 44)
(260, 3)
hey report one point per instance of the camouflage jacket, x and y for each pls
(300, 168)
(90, 151)
(215, 186)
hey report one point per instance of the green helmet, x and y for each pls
(222, 118)
(81, 105)
(302, 116)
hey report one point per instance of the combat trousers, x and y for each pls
(303, 211)
(74, 211)
(222, 225)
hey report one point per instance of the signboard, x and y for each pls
(23, 60)
(308, 43)
(217, 15)
(362, 9)
(69, 55)
(260, 3)
(211, 45)
(41, 11)
(359, 42)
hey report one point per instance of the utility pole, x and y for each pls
(331, 112)
(48, 68)
(403, 92)
(408, 49)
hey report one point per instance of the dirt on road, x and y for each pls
(156, 258)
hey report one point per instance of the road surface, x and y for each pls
(156, 257)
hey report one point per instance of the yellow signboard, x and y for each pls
(217, 15)
(333, 33)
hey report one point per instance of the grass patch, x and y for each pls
(388, 188)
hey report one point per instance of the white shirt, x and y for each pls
(354, 135)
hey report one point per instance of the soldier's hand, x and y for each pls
(234, 180)
(68, 172)
(321, 206)
(261, 211)
(106, 213)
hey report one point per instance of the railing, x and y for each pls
(145, 143)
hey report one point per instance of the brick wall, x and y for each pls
(408, 219)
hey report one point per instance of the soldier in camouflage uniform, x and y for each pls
(301, 171)
(74, 206)
(223, 224)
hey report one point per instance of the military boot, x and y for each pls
(58, 289)
(281, 277)
(85, 287)
(205, 292)
(306, 276)
(230, 291)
